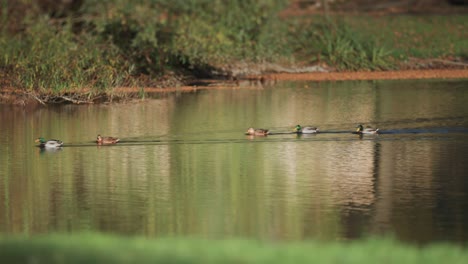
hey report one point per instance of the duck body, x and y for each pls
(305, 130)
(49, 144)
(257, 132)
(106, 140)
(361, 130)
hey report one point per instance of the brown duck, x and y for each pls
(106, 140)
(257, 132)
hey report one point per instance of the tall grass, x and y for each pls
(347, 50)
(102, 44)
(49, 59)
(96, 248)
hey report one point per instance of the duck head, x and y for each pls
(250, 131)
(40, 140)
(99, 139)
(359, 128)
(298, 128)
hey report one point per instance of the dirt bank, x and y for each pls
(254, 81)
(385, 75)
(18, 97)
(314, 76)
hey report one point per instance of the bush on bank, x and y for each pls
(61, 46)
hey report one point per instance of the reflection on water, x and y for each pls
(185, 167)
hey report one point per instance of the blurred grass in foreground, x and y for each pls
(96, 248)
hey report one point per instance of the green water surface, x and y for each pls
(185, 168)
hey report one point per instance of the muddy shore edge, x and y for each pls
(13, 96)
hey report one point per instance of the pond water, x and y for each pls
(185, 168)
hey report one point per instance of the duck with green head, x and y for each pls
(368, 130)
(305, 130)
(49, 144)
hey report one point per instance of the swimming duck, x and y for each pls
(257, 132)
(361, 130)
(305, 130)
(106, 140)
(49, 144)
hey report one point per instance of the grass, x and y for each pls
(100, 45)
(430, 36)
(99, 248)
(384, 42)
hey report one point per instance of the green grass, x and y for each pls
(381, 43)
(429, 36)
(346, 48)
(98, 248)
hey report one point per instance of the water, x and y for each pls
(185, 167)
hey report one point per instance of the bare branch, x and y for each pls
(36, 98)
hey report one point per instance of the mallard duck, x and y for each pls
(106, 140)
(257, 132)
(49, 144)
(305, 130)
(368, 130)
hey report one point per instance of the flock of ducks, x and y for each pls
(298, 129)
(100, 140)
(309, 130)
(55, 143)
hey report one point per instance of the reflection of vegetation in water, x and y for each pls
(216, 188)
(97, 248)
(104, 44)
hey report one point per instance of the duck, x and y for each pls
(305, 130)
(257, 132)
(106, 140)
(49, 144)
(368, 130)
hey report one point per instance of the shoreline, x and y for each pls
(363, 76)
(309, 76)
(12, 96)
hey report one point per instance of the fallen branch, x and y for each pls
(66, 98)
(36, 98)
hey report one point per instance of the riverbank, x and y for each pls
(381, 75)
(86, 96)
(88, 51)
(98, 248)
(96, 52)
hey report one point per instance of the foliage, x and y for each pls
(343, 47)
(95, 248)
(71, 45)
(48, 58)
